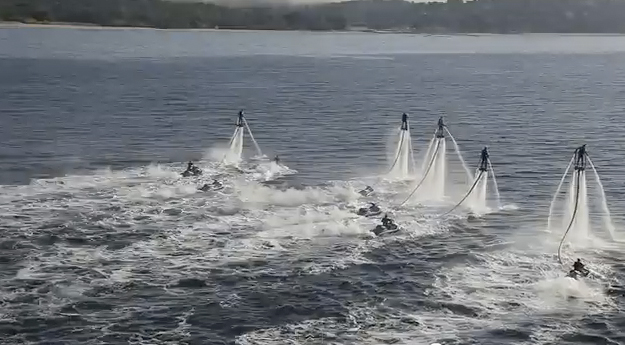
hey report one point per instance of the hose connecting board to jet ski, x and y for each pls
(578, 173)
(434, 154)
(479, 177)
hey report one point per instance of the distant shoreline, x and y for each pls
(60, 25)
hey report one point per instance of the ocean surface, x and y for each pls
(103, 242)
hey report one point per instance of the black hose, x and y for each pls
(479, 177)
(438, 143)
(579, 173)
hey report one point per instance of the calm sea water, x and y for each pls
(103, 242)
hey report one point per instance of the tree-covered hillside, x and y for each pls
(478, 16)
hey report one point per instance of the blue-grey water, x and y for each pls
(104, 243)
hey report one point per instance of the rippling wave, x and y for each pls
(103, 242)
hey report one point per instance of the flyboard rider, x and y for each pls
(484, 159)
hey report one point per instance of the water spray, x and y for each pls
(580, 165)
(404, 129)
(398, 153)
(439, 136)
(484, 164)
(438, 143)
(607, 219)
(237, 132)
(555, 196)
(258, 151)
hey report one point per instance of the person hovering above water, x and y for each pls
(580, 162)
(484, 159)
(404, 122)
(190, 166)
(276, 159)
(440, 133)
(240, 119)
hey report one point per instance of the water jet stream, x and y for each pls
(403, 158)
(578, 175)
(477, 180)
(555, 196)
(607, 218)
(424, 175)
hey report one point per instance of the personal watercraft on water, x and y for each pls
(367, 191)
(575, 274)
(215, 186)
(385, 229)
(578, 270)
(192, 170)
(373, 210)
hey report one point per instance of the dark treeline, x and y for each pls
(478, 16)
(168, 15)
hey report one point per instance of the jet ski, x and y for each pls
(370, 211)
(385, 229)
(575, 274)
(367, 191)
(215, 186)
(193, 171)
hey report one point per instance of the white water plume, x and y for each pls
(477, 202)
(437, 170)
(459, 154)
(606, 217)
(402, 163)
(495, 185)
(574, 215)
(234, 155)
(555, 195)
(259, 152)
(439, 182)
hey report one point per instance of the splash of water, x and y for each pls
(435, 169)
(438, 179)
(259, 152)
(576, 218)
(606, 217)
(457, 150)
(497, 195)
(403, 163)
(234, 155)
(555, 196)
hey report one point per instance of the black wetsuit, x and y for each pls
(484, 160)
(189, 166)
(580, 163)
(386, 220)
(404, 121)
(441, 128)
(578, 266)
(240, 121)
